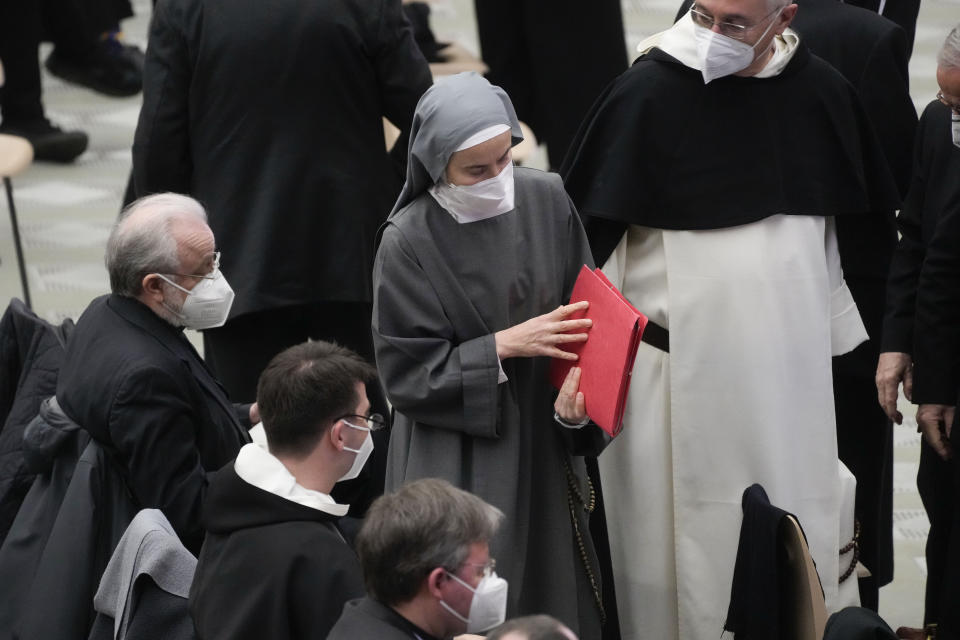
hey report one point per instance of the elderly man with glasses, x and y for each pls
(132, 379)
(921, 341)
(274, 557)
(709, 177)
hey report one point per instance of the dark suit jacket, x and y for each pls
(139, 388)
(269, 113)
(935, 182)
(936, 353)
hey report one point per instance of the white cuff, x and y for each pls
(570, 425)
(501, 376)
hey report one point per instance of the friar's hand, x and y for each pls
(935, 422)
(893, 368)
(541, 336)
(570, 405)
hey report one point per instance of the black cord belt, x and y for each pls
(656, 336)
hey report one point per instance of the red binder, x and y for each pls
(606, 358)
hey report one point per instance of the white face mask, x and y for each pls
(362, 453)
(722, 55)
(488, 608)
(207, 305)
(486, 199)
(955, 128)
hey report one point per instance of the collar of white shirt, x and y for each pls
(262, 469)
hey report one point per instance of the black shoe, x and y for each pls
(50, 143)
(109, 68)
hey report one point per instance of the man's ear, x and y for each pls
(335, 433)
(152, 285)
(786, 17)
(435, 579)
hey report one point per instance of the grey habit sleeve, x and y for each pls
(429, 374)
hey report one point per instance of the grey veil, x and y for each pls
(447, 114)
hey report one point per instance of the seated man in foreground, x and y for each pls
(132, 379)
(426, 564)
(273, 557)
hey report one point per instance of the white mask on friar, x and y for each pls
(722, 55)
(955, 128)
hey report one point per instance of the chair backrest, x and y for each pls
(807, 616)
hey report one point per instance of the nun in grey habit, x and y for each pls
(469, 287)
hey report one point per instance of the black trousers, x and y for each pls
(239, 351)
(938, 482)
(72, 25)
(553, 63)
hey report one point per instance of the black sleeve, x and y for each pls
(937, 325)
(154, 426)
(906, 263)
(884, 89)
(161, 146)
(402, 72)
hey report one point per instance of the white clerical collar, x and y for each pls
(262, 469)
(680, 42)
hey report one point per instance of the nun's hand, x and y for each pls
(541, 336)
(570, 405)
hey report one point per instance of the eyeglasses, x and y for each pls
(729, 29)
(210, 276)
(487, 568)
(374, 421)
(943, 100)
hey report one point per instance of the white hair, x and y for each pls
(142, 241)
(949, 55)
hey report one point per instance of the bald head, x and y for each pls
(161, 233)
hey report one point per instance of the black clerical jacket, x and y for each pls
(135, 383)
(270, 114)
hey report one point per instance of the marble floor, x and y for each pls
(66, 212)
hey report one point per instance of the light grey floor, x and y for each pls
(66, 212)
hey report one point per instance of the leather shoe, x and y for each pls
(50, 142)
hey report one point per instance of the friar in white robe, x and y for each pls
(711, 205)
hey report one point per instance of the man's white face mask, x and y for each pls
(362, 453)
(722, 55)
(955, 127)
(207, 305)
(488, 608)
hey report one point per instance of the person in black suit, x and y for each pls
(872, 54)
(922, 334)
(131, 378)
(903, 12)
(270, 113)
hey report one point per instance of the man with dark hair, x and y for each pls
(273, 556)
(426, 564)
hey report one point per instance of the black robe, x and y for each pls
(269, 568)
(662, 149)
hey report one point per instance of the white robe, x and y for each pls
(745, 395)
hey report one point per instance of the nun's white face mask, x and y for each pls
(487, 156)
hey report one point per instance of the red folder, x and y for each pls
(606, 358)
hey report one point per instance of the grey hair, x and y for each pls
(538, 627)
(949, 54)
(142, 240)
(424, 525)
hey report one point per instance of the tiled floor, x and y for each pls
(66, 213)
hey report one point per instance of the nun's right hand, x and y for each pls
(540, 336)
